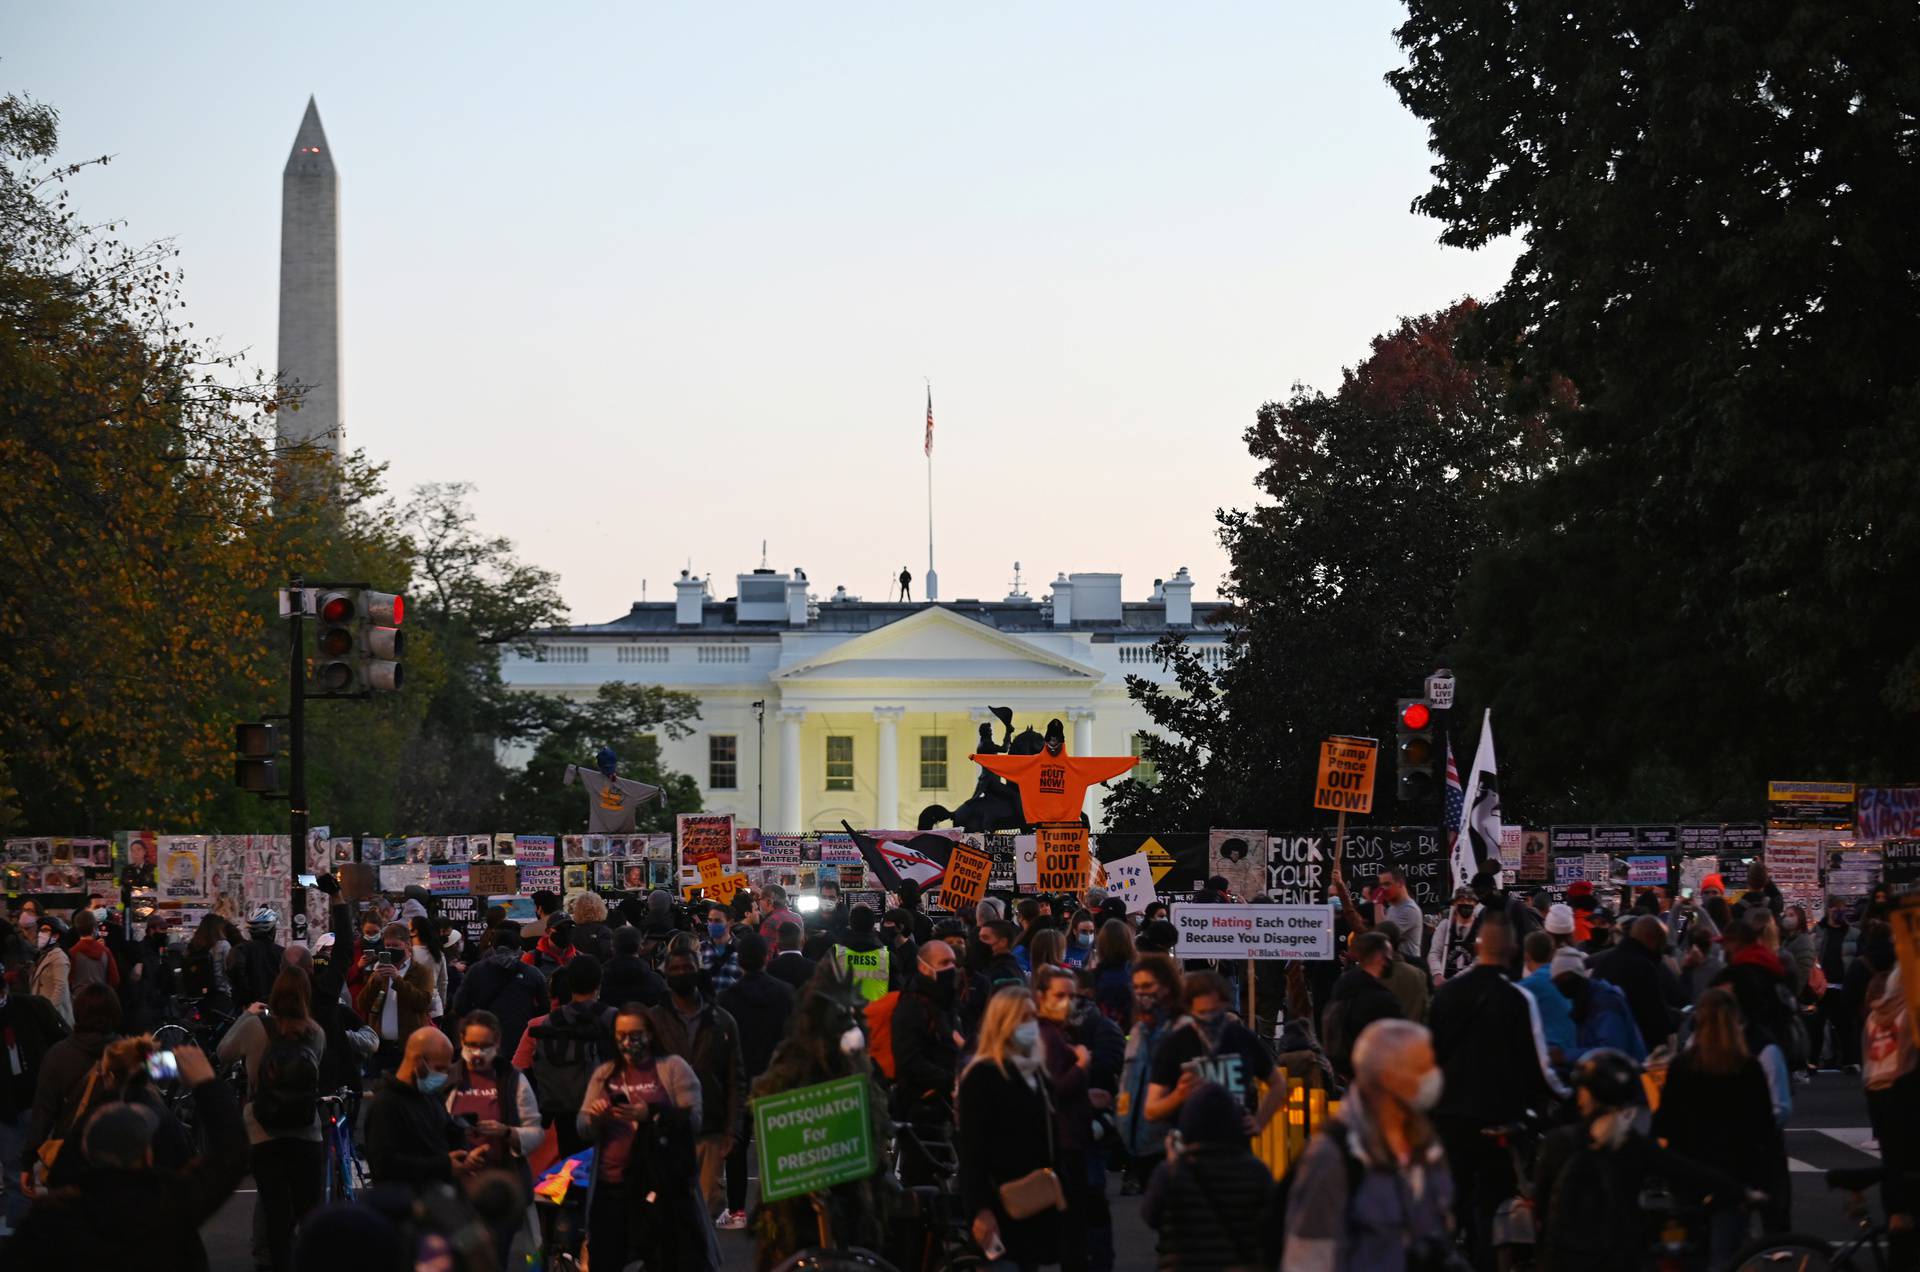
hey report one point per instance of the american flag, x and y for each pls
(929, 421)
(1456, 798)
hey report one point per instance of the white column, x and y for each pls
(1082, 718)
(790, 718)
(887, 788)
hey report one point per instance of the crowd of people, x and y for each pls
(1509, 1074)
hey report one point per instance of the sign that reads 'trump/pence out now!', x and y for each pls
(1253, 931)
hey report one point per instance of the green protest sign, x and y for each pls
(813, 1138)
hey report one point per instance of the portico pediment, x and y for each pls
(936, 644)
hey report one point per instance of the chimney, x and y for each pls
(1062, 602)
(797, 598)
(689, 594)
(1096, 598)
(1179, 595)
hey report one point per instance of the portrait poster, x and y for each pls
(1241, 857)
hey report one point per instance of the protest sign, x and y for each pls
(533, 850)
(1061, 857)
(1298, 870)
(966, 879)
(358, 881)
(1646, 872)
(703, 836)
(1415, 851)
(447, 880)
(487, 877)
(540, 878)
(1533, 857)
(813, 1137)
(1887, 812)
(1239, 856)
(1026, 863)
(782, 850)
(467, 914)
(1253, 931)
(183, 867)
(1900, 866)
(1131, 879)
(1345, 781)
(1809, 804)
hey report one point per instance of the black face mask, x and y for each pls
(946, 982)
(683, 984)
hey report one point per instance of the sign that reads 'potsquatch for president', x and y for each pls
(1253, 931)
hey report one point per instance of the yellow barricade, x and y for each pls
(1284, 1139)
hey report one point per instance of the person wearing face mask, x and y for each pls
(971, 989)
(1156, 1006)
(493, 1103)
(89, 960)
(1797, 955)
(396, 998)
(761, 1006)
(707, 1037)
(1006, 1133)
(1080, 931)
(281, 1046)
(642, 1112)
(1374, 1190)
(1490, 1043)
(52, 969)
(1086, 1226)
(719, 960)
(1211, 1045)
(1451, 952)
(409, 1138)
(926, 1054)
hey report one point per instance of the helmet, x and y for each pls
(1611, 1076)
(264, 919)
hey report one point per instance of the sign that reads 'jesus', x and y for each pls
(1253, 931)
(1345, 783)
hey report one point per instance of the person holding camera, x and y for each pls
(127, 1212)
(282, 1046)
(642, 1112)
(397, 997)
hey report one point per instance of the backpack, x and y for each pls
(880, 1033)
(286, 1095)
(569, 1047)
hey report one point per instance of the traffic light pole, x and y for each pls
(297, 728)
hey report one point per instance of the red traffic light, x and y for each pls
(1415, 715)
(336, 607)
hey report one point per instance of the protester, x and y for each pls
(760, 1007)
(126, 1211)
(1374, 1190)
(1112, 968)
(1066, 1066)
(1638, 966)
(410, 1140)
(68, 1070)
(1716, 1109)
(1210, 1045)
(1797, 954)
(1562, 925)
(628, 977)
(642, 1112)
(29, 1029)
(1156, 1008)
(546, 909)
(573, 1041)
(1005, 1137)
(706, 1036)
(492, 1102)
(1451, 951)
(501, 984)
(396, 1000)
(203, 968)
(1701, 960)
(1556, 1013)
(52, 969)
(1360, 997)
(1836, 1032)
(1761, 892)
(427, 951)
(926, 1054)
(1400, 909)
(1002, 968)
(281, 1047)
(1209, 1200)
(590, 933)
(790, 966)
(778, 913)
(1891, 1075)
(254, 964)
(553, 949)
(1409, 981)
(89, 962)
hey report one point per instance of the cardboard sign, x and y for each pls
(1533, 856)
(1417, 852)
(1253, 931)
(1900, 867)
(467, 914)
(487, 877)
(540, 878)
(1061, 857)
(1240, 857)
(358, 881)
(966, 878)
(704, 835)
(1887, 812)
(1131, 879)
(1299, 871)
(814, 1137)
(1345, 782)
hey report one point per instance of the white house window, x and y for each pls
(641, 653)
(563, 653)
(1145, 771)
(723, 762)
(933, 763)
(839, 763)
(724, 653)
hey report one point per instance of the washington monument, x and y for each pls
(310, 289)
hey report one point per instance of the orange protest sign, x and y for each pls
(966, 878)
(1345, 783)
(1061, 857)
(711, 871)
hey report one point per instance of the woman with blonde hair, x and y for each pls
(591, 935)
(1716, 1109)
(1005, 1135)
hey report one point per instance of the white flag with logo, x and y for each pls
(1479, 840)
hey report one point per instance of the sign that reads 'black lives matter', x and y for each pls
(1253, 931)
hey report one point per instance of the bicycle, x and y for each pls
(944, 1229)
(1800, 1252)
(346, 1171)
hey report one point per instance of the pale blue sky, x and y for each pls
(663, 280)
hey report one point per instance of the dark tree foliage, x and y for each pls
(631, 718)
(1342, 583)
(1716, 201)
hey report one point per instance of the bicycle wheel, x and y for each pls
(1787, 1252)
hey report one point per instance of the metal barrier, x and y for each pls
(1284, 1139)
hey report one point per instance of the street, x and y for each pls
(1829, 1130)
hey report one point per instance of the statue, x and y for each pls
(995, 802)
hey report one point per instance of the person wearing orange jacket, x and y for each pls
(1053, 785)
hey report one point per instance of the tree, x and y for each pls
(1342, 586)
(1716, 207)
(630, 718)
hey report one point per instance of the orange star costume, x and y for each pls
(1054, 787)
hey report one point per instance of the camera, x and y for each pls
(386, 957)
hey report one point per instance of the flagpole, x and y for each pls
(933, 580)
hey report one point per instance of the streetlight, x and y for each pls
(760, 766)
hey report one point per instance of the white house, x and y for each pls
(813, 710)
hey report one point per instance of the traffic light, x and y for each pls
(254, 746)
(358, 643)
(1414, 752)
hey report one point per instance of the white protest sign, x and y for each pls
(1131, 879)
(1026, 863)
(1253, 931)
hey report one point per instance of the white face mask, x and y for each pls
(479, 1057)
(1432, 1083)
(45, 938)
(1027, 1035)
(853, 1041)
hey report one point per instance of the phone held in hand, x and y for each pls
(163, 1066)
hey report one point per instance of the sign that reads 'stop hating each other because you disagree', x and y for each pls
(1253, 931)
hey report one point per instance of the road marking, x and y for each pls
(1815, 1150)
